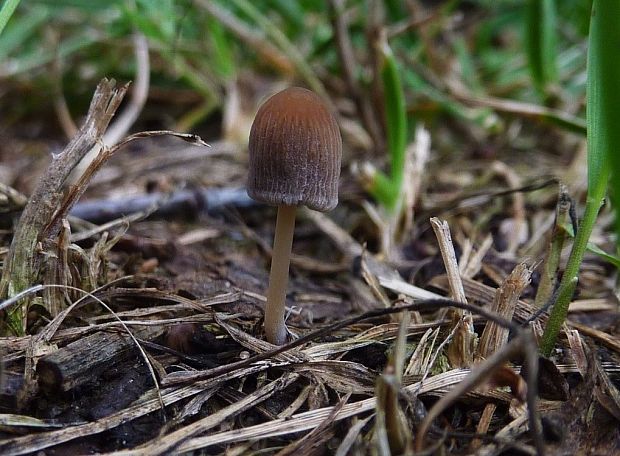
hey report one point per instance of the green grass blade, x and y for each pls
(36, 58)
(388, 191)
(541, 42)
(611, 259)
(292, 12)
(483, 117)
(603, 122)
(595, 249)
(222, 55)
(603, 102)
(22, 28)
(605, 128)
(6, 12)
(396, 116)
(89, 6)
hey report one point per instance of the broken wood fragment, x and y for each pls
(21, 267)
(85, 359)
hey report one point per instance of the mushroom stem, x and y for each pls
(275, 329)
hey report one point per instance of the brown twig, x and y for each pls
(541, 113)
(422, 305)
(22, 263)
(348, 65)
(520, 344)
(411, 23)
(11, 199)
(460, 350)
(505, 301)
(77, 190)
(553, 256)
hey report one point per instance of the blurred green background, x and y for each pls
(446, 50)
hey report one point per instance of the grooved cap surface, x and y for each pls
(295, 152)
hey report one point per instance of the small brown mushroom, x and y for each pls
(295, 153)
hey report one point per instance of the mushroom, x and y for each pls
(295, 153)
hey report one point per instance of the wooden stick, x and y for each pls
(22, 263)
(86, 358)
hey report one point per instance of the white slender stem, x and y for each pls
(275, 329)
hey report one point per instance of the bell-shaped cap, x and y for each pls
(295, 152)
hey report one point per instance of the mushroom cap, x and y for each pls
(295, 152)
